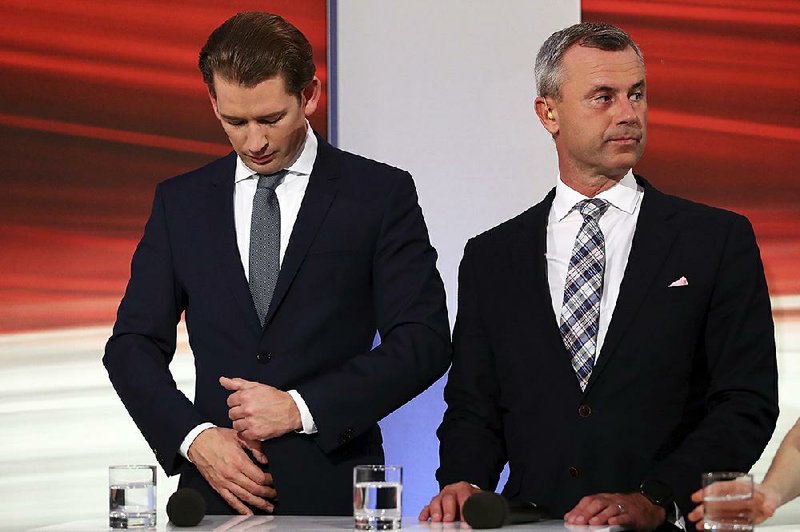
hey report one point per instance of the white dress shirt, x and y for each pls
(618, 224)
(290, 192)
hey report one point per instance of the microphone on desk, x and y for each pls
(186, 507)
(490, 510)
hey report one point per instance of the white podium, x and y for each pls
(291, 523)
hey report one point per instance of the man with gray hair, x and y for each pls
(612, 342)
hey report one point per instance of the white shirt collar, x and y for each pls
(624, 195)
(302, 165)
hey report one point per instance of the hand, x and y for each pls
(219, 456)
(260, 412)
(446, 506)
(765, 501)
(631, 510)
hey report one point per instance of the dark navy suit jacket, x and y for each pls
(358, 260)
(686, 380)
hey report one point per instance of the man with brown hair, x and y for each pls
(286, 256)
(612, 342)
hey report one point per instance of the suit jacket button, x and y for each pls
(584, 411)
(574, 472)
(263, 357)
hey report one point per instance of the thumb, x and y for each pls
(254, 446)
(232, 384)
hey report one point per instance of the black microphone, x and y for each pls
(186, 507)
(490, 510)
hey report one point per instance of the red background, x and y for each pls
(724, 125)
(98, 102)
(101, 100)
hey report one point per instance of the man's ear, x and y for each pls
(548, 116)
(310, 95)
(213, 102)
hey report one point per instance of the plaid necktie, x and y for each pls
(265, 242)
(580, 313)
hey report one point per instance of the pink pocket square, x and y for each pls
(680, 282)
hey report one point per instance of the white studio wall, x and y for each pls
(445, 90)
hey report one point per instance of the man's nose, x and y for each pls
(256, 139)
(626, 112)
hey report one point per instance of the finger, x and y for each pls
(234, 399)
(250, 433)
(436, 509)
(240, 426)
(697, 496)
(425, 513)
(234, 502)
(249, 497)
(253, 493)
(449, 508)
(229, 384)
(584, 510)
(598, 506)
(610, 514)
(235, 412)
(254, 474)
(696, 514)
(260, 456)
(254, 446)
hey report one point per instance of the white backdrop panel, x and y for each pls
(445, 90)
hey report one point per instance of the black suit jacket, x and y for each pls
(686, 380)
(358, 260)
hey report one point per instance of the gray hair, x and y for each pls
(589, 34)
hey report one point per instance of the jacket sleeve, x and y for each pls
(409, 305)
(472, 446)
(742, 393)
(138, 354)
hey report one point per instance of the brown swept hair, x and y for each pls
(253, 46)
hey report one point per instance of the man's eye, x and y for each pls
(235, 123)
(603, 98)
(636, 96)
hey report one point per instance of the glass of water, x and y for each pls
(132, 496)
(727, 501)
(377, 497)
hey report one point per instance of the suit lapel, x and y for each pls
(322, 187)
(530, 268)
(651, 245)
(222, 229)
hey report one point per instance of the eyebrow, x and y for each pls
(607, 88)
(270, 116)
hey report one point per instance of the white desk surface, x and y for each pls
(291, 523)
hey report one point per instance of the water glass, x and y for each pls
(727, 501)
(132, 496)
(377, 497)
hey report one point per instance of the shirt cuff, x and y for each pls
(676, 519)
(309, 427)
(189, 439)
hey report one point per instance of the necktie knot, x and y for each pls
(270, 181)
(592, 209)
